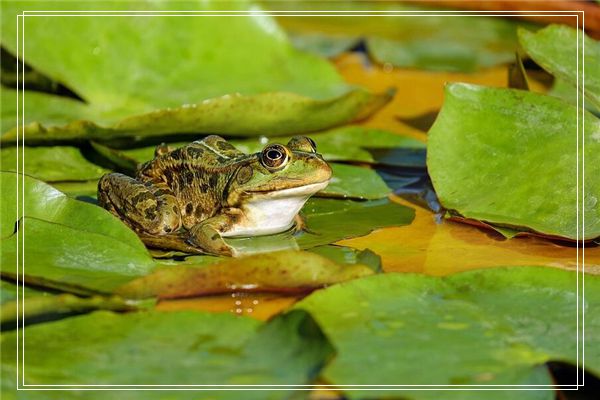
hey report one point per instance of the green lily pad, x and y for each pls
(349, 181)
(36, 306)
(68, 244)
(447, 43)
(268, 86)
(44, 202)
(556, 49)
(61, 257)
(9, 292)
(168, 348)
(495, 326)
(509, 157)
(330, 220)
(284, 272)
(54, 163)
(270, 114)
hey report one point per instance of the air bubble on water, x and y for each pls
(387, 67)
(96, 50)
(238, 302)
(238, 310)
(263, 140)
(255, 302)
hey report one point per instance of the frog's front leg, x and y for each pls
(207, 234)
(147, 207)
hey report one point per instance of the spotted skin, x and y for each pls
(200, 191)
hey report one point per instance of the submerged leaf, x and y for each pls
(558, 48)
(484, 327)
(168, 348)
(285, 272)
(509, 157)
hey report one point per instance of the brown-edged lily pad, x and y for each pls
(285, 272)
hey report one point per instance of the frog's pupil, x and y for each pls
(274, 154)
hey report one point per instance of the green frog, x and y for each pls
(209, 190)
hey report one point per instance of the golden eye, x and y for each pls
(274, 156)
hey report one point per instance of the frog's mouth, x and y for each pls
(298, 191)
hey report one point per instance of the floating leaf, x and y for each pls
(39, 308)
(151, 92)
(349, 181)
(61, 257)
(509, 157)
(168, 348)
(67, 243)
(54, 163)
(433, 42)
(331, 220)
(557, 49)
(485, 327)
(42, 201)
(285, 272)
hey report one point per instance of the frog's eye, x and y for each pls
(274, 156)
(302, 143)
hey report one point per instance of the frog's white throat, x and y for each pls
(272, 212)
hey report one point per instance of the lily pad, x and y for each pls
(558, 48)
(269, 114)
(330, 220)
(496, 326)
(152, 92)
(42, 201)
(38, 306)
(168, 348)
(433, 42)
(509, 157)
(61, 257)
(54, 163)
(68, 244)
(284, 271)
(349, 181)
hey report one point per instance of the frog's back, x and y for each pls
(197, 174)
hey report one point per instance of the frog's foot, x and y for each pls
(148, 208)
(300, 225)
(207, 236)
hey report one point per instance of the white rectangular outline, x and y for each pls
(20, 310)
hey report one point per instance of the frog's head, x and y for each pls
(295, 170)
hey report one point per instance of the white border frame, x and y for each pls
(20, 234)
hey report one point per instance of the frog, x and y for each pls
(208, 190)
